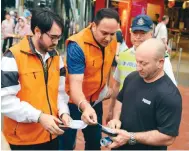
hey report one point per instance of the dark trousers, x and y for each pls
(52, 145)
(92, 134)
(10, 39)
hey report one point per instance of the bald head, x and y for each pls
(150, 59)
(153, 48)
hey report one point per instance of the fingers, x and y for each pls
(114, 124)
(57, 120)
(89, 119)
(113, 145)
(118, 125)
(66, 119)
(89, 116)
(54, 129)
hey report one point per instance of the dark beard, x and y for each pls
(41, 45)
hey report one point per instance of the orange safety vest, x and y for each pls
(35, 91)
(97, 67)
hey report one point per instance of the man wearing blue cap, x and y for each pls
(141, 30)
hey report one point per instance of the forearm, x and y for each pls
(154, 138)
(114, 94)
(117, 110)
(20, 111)
(76, 92)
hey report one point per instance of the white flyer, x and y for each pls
(102, 95)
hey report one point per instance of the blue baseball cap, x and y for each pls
(142, 22)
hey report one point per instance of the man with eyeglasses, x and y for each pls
(33, 99)
(141, 30)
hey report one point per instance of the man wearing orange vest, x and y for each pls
(32, 87)
(89, 58)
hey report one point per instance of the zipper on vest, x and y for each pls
(15, 129)
(45, 71)
(102, 68)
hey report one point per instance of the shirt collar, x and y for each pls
(45, 56)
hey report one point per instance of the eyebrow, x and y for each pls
(54, 35)
(107, 32)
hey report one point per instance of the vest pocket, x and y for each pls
(93, 65)
(16, 127)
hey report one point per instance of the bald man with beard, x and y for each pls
(149, 105)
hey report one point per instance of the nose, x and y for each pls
(138, 68)
(138, 36)
(55, 42)
(108, 38)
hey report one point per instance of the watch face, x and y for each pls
(132, 140)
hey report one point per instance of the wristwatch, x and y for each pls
(132, 140)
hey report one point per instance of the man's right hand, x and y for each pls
(89, 115)
(114, 124)
(49, 124)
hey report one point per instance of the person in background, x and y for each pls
(7, 28)
(33, 97)
(148, 108)
(28, 16)
(161, 31)
(16, 18)
(89, 58)
(156, 21)
(121, 45)
(22, 29)
(141, 30)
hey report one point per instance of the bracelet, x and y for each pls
(80, 104)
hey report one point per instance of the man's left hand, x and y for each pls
(121, 138)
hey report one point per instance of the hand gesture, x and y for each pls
(114, 124)
(49, 124)
(89, 115)
(121, 139)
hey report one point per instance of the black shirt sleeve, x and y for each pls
(119, 36)
(168, 114)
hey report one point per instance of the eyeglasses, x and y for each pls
(53, 37)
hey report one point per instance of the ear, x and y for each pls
(37, 32)
(161, 63)
(93, 26)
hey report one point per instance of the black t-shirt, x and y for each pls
(150, 106)
(119, 36)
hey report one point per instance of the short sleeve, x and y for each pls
(168, 114)
(75, 59)
(119, 36)
(121, 93)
